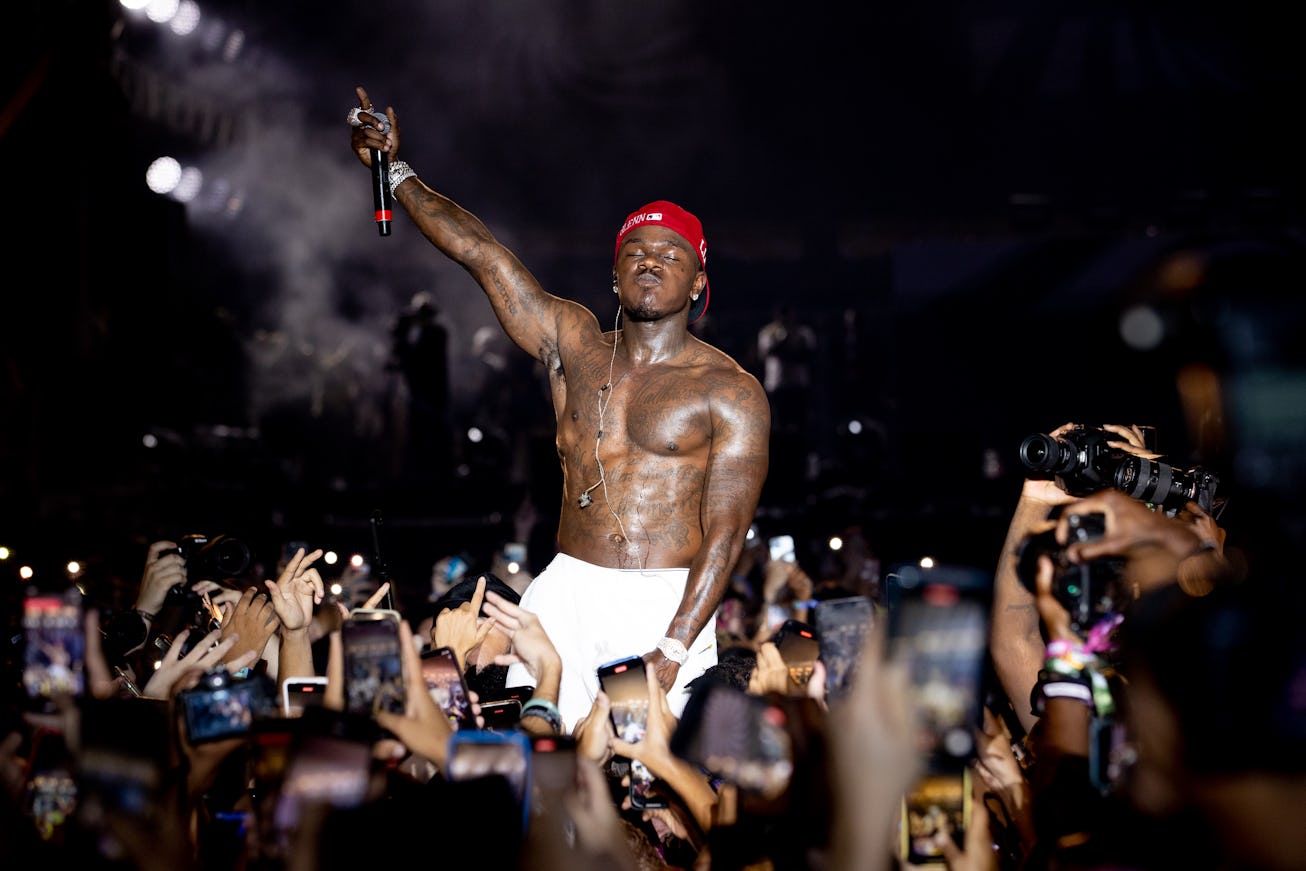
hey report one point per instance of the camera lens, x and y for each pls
(1043, 453)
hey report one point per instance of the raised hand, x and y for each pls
(461, 629)
(253, 620)
(294, 594)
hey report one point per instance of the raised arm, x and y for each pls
(532, 317)
(736, 470)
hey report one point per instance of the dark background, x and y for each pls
(964, 199)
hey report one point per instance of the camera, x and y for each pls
(1081, 460)
(1083, 463)
(222, 706)
(1089, 591)
(1164, 485)
(213, 558)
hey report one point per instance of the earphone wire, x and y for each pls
(609, 390)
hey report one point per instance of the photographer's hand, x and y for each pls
(253, 619)
(531, 645)
(1152, 543)
(163, 571)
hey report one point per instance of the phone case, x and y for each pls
(799, 646)
(298, 693)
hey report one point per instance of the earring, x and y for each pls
(694, 297)
(614, 285)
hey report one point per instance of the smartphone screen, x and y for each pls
(739, 737)
(298, 693)
(842, 625)
(374, 676)
(226, 710)
(50, 786)
(475, 753)
(444, 680)
(54, 651)
(799, 646)
(937, 802)
(938, 625)
(626, 686)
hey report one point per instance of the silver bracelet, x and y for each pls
(399, 172)
(673, 650)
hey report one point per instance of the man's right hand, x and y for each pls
(368, 136)
(163, 571)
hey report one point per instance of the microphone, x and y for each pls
(381, 201)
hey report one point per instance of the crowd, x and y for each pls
(1136, 700)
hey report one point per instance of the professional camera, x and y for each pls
(212, 558)
(1081, 460)
(1162, 484)
(1089, 590)
(1083, 463)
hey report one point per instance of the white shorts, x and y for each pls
(594, 615)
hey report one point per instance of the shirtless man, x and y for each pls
(663, 439)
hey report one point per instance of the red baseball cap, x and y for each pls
(673, 217)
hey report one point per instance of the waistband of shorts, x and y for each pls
(565, 558)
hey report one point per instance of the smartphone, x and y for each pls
(123, 757)
(1111, 754)
(938, 624)
(221, 706)
(738, 736)
(328, 762)
(476, 753)
(444, 680)
(938, 801)
(298, 693)
(374, 673)
(842, 626)
(799, 645)
(553, 764)
(626, 686)
(54, 651)
(782, 548)
(501, 714)
(50, 787)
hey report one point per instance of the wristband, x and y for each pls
(1202, 548)
(673, 650)
(146, 614)
(544, 709)
(400, 172)
(1057, 689)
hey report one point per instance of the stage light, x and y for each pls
(186, 19)
(836, 543)
(331, 557)
(357, 560)
(25, 572)
(163, 175)
(927, 562)
(161, 11)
